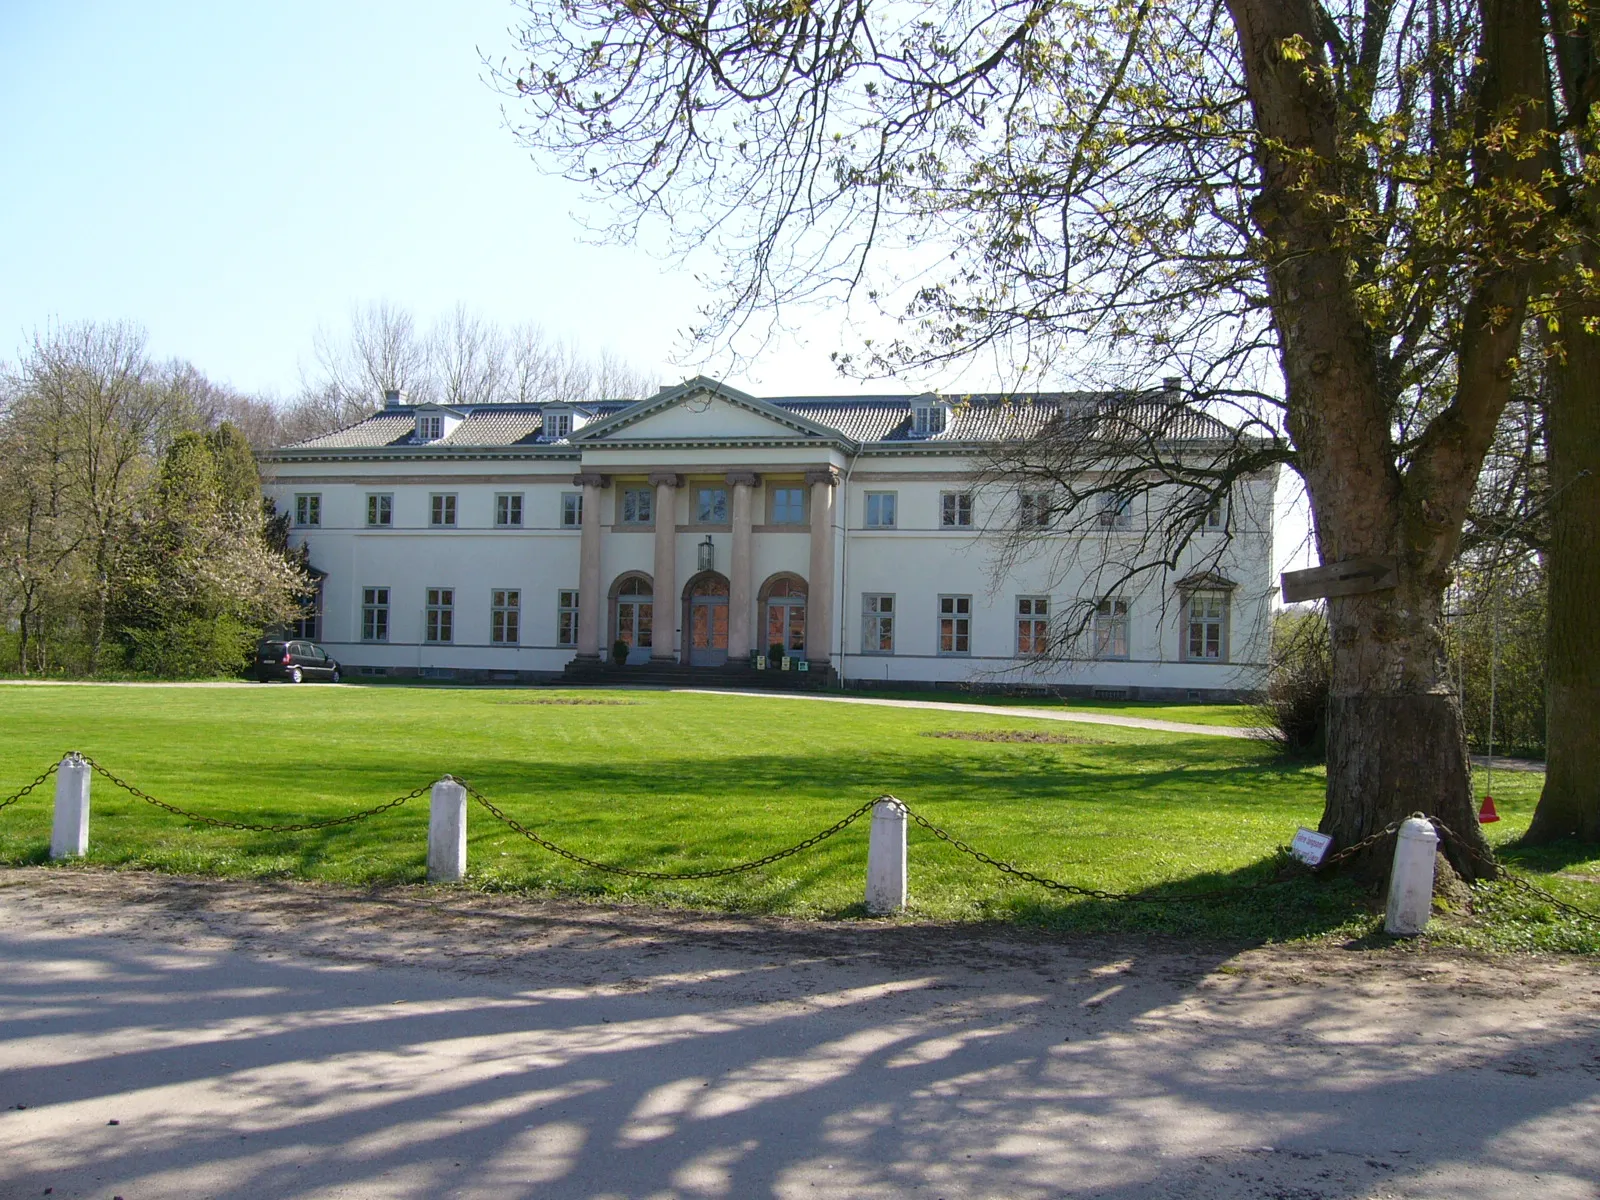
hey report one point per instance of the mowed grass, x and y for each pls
(1241, 716)
(680, 782)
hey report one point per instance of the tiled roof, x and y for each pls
(880, 420)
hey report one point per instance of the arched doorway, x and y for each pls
(706, 601)
(633, 615)
(783, 609)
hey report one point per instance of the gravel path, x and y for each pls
(173, 1038)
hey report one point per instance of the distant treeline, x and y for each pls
(133, 534)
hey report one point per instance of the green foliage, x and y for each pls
(1497, 652)
(1122, 809)
(192, 646)
(1294, 712)
(238, 479)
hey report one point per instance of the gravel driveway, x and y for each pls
(171, 1038)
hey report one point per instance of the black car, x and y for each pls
(294, 661)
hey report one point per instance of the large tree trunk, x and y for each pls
(1395, 740)
(1569, 806)
(1396, 744)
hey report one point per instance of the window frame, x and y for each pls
(960, 633)
(442, 505)
(797, 492)
(505, 616)
(1034, 510)
(567, 617)
(875, 621)
(374, 613)
(644, 497)
(1033, 612)
(439, 616)
(509, 505)
(1115, 513)
(1107, 623)
(571, 510)
(1220, 622)
(893, 502)
(700, 493)
(1215, 519)
(929, 420)
(308, 510)
(430, 427)
(955, 510)
(380, 504)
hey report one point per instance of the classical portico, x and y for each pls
(706, 623)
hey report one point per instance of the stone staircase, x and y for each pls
(735, 676)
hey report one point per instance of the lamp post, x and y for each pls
(708, 554)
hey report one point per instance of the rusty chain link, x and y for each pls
(1517, 881)
(1073, 889)
(251, 827)
(13, 798)
(516, 826)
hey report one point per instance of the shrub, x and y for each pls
(619, 652)
(1294, 711)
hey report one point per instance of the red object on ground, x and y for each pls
(1487, 814)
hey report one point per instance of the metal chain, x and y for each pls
(217, 823)
(516, 826)
(1520, 882)
(1074, 889)
(12, 799)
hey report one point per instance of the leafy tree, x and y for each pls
(1331, 213)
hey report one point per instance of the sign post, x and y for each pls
(1352, 577)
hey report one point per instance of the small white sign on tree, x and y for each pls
(1309, 846)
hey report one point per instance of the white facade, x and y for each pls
(832, 524)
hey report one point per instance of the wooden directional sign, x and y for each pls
(1348, 578)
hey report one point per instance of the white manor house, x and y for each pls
(701, 527)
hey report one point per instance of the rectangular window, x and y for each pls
(571, 510)
(788, 505)
(929, 420)
(308, 624)
(1208, 618)
(880, 510)
(308, 508)
(508, 510)
(1116, 512)
(638, 506)
(1033, 626)
(380, 510)
(505, 617)
(955, 624)
(1033, 510)
(955, 510)
(877, 624)
(711, 506)
(442, 509)
(441, 614)
(557, 426)
(375, 614)
(1111, 629)
(567, 618)
(1216, 517)
(430, 429)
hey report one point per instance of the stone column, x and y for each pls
(666, 564)
(591, 604)
(819, 587)
(740, 565)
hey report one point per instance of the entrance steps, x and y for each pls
(738, 676)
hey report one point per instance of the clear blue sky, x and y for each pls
(231, 176)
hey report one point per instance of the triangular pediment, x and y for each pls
(702, 410)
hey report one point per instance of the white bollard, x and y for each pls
(886, 858)
(69, 827)
(447, 832)
(1411, 879)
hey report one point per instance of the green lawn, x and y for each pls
(686, 782)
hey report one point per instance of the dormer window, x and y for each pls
(436, 424)
(928, 418)
(559, 423)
